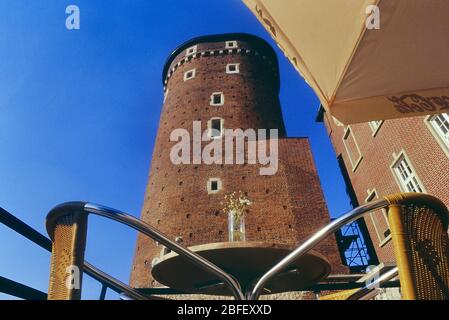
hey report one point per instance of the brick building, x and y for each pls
(227, 81)
(384, 157)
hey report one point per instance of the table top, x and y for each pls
(246, 261)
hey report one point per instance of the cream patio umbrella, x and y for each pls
(361, 73)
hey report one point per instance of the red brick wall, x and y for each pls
(411, 135)
(287, 207)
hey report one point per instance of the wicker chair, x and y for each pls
(68, 234)
(343, 295)
(418, 224)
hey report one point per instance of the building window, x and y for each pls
(215, 126)
(189, 74)
(217, 99)
(192, 50)
(214, 185)
(379, 219)
(231, 44)
(352, 149)
(375, 126)
(165, 251)
(337, 123)
(233, 68)
(406, 175)
(439, 125)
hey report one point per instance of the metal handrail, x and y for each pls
(20, 290)
(124, 288)
(313, 241)
(151, 232)
(36, 237)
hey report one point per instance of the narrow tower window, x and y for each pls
(231, 44)
(214, 185)
(217, 99)
(215, 127)
(233, 68)
(189, 74)
(191, 50)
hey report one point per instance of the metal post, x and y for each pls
(104, 288)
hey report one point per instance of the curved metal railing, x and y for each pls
(149, 231)
(113, 282)
(312, 242)
(130, 292)
(20, 291)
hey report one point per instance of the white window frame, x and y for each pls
(231, 44)
(212, 103)
(375, 126)
(186, 75)
(383, 240)
(209, 185)
(209, 126)
(337, 123)
(191, 50)
(437, 132)
(354, 163)
(237, 68)
(405, 174)
(155, 261)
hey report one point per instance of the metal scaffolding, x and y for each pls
(353, 249)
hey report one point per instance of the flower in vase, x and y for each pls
(235, 205)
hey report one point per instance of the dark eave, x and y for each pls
(262, 45)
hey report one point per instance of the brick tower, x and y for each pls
(227, 81)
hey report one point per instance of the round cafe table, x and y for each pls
(246, 262)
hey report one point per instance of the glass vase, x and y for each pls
(236, 226)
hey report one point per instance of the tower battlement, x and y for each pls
(222, 45)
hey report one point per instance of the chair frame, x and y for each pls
(392, 202)
(78, 208)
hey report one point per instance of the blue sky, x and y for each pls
(79, 112)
